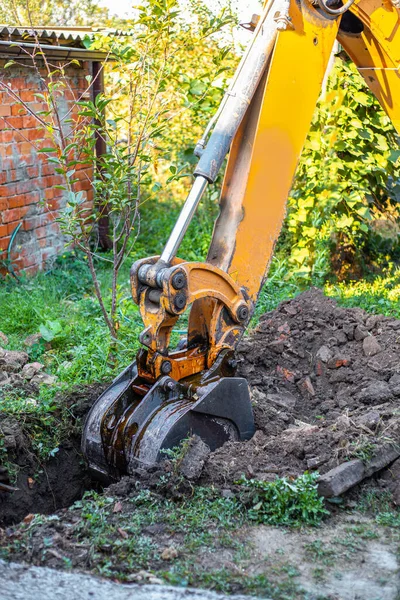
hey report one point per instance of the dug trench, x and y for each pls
(45, 486)
(325, 388)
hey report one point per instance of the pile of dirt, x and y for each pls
(325, 385)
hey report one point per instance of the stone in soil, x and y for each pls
(195, 456)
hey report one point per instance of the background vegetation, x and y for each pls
(341, 233)
(342, 229)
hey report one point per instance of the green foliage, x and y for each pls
(198, 520)
(163, 80)
(126, 535)
(348, 179)
(380, 504)
(390, 518)
(378, 296)
(53, 12)
(285, 502)
(45, 421)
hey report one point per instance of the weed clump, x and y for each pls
(285, 502)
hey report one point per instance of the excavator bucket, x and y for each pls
(131, 424)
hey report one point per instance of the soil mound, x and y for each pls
(325, 385)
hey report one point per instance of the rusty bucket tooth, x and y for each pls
(130, 425)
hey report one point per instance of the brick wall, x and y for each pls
(27, 180)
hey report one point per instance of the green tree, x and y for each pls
(52, 12)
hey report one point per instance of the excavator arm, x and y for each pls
(263, 121)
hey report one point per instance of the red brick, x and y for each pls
(39, 183)
(35, 222)
(16, 201)
(32, 198)
(10, 176)
(33, 171)
(28, 96)
(18, 83)
(56, 203)
(49, 253)
(30, 121)
(4, 243)
(35, 134)
(18, 110)
(53, 180)
(24, 187)
(47, 169)
(27, 159)
(5, 110)
(8, 190)
(7, 164)
(6, 136)
(11, 227)
(42, 241)
(45, 143)
(14, 122)
(15, 214)
(23, 262)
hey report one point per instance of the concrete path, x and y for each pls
(20, 582)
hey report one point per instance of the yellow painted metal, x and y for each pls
(266, 150)
(376, 52)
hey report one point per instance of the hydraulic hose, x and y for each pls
(10, 267)
(335, 11)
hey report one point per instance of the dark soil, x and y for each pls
(325, 384)
(46, 486)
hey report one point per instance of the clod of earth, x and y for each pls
(15, 371)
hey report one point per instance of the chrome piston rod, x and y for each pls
(235, 106)
(184, 219)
